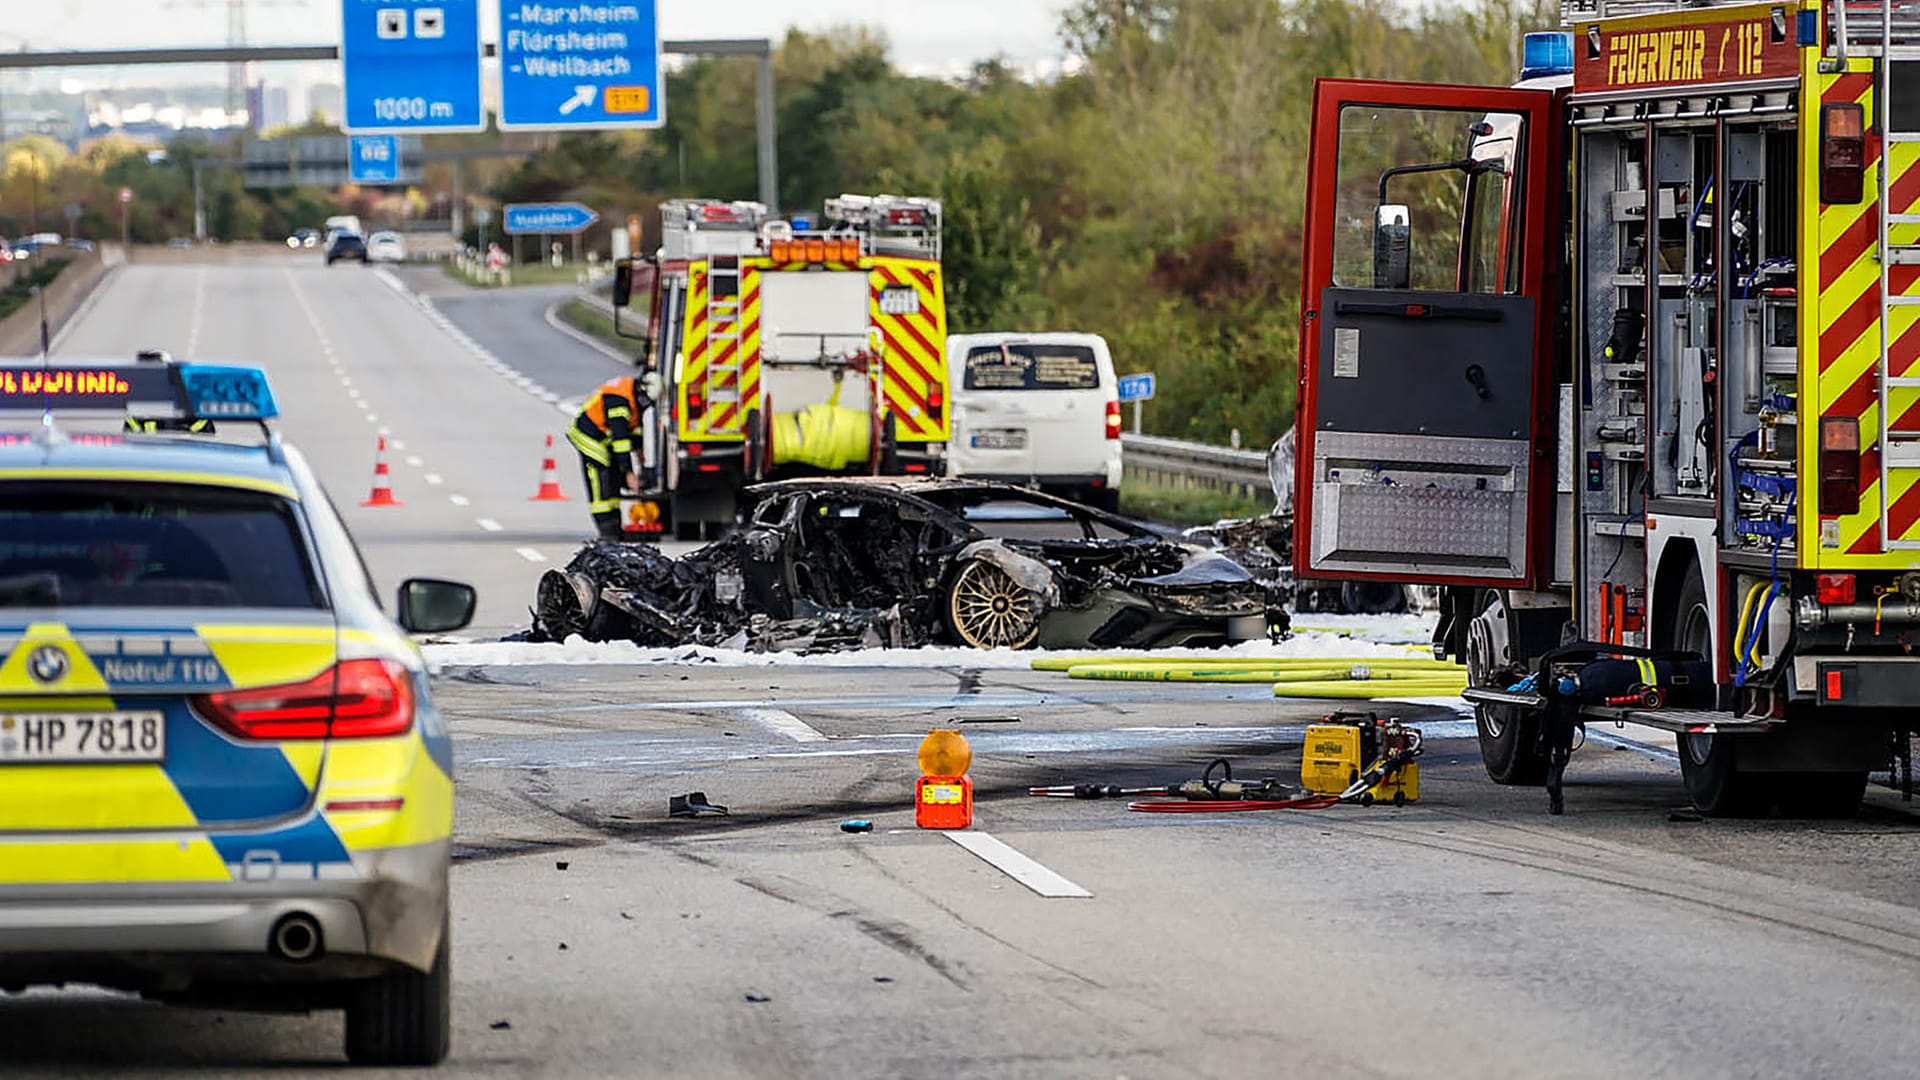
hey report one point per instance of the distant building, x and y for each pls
(327, 102)
(268, 108)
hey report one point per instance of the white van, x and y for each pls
(1041, 410)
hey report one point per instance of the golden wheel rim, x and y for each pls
(991, 610)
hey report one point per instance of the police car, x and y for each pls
(222, 778)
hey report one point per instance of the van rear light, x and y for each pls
(1113, 418)
(1843, 152)
(1835, 588)
(696, 404)
(936, 401)
(354, 699)
(1839, 466)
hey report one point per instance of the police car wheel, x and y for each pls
(404, 1018)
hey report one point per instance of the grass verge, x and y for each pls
(524, 274)
(19, 291)
(591, 321)
(1187, 505)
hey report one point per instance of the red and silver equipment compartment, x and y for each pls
(702, 228)
(1426, 393)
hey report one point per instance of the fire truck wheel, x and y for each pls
(1710, 763)
(989, 610)
(1510, 745)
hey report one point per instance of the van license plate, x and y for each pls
(1000, 439)
(91, 738)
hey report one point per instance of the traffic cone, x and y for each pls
(549, 479)
(382, 479)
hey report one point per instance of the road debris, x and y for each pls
(693, 804)
(856, 825)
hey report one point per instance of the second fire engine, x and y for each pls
(793, 346)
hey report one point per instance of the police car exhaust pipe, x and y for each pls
(295, 937)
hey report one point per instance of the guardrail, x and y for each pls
(1173, 463)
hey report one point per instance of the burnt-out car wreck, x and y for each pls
(850, 562)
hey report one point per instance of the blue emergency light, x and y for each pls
(801, 222)
(148, 387)
(227, 392)
(1547, 53)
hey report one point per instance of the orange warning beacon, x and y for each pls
(943, 799)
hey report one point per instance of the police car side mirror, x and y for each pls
(1392, 241)
(622, 283)
(431, 606)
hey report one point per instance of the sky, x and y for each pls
(928, 36)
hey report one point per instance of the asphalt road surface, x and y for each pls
(1465, 935)
(353, 355)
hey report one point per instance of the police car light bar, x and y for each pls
(146, 388)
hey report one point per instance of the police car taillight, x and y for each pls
(354, 699)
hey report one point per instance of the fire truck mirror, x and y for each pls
(622, 283)
(1392, 239)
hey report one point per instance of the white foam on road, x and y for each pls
(1390, 642)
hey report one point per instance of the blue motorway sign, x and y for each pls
(522, 218)
(411, 65)
(373, 159)
(1136, 387)
(581, 64)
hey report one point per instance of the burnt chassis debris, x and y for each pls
(847, 562)
(1264, 545)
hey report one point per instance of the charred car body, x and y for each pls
(841, 562)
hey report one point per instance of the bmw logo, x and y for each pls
(48, 664)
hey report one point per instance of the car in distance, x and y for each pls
(386, 246)
(346, 245)
(1039, 410)
(304, 238)
(223, 781)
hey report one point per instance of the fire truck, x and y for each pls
(792, 346)
(1626, 358)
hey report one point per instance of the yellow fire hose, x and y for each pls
(825, 436)
(1067, 663)
(1322, 673)
(1390, 690)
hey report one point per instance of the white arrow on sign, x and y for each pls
(582, 96)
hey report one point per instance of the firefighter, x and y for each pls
(603, 433)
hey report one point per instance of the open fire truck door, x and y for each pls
(1426, 374)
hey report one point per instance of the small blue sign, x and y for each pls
(583, 64)
(522, 218)
(411, 65)
(374, 159)
(1136, 387)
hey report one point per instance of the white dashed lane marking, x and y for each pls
(530, 554)
(488, 524)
